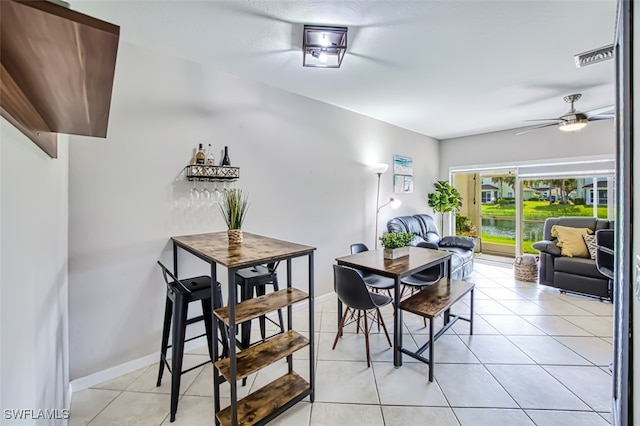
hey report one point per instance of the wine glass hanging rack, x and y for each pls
(197, 172)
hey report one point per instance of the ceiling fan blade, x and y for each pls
(536, 128)
(544, 119)
(599, 111)
(601, 117)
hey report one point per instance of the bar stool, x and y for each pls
(179, 294)
(252, 280)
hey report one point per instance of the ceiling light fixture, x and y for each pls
(324, 47)
(594, 56)
(573, 124)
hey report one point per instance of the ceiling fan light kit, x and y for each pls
(323, 47)
(573, 120)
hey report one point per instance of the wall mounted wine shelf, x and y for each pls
(211, 173)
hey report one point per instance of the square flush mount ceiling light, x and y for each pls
(324, 47)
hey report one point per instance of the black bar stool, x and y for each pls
(179, 294)
(255, 279)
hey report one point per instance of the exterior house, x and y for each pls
(601, 190)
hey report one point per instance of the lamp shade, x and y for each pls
(380, 168)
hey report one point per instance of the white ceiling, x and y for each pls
(441, 68)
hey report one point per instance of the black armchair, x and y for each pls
(426, 235)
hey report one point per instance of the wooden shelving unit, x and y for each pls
(260, 405)
(273, 399)
(258, 306)
(270, 400)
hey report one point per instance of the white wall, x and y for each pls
(597, 139)
(34, 372)
(303, 162)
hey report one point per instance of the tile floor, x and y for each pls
(537, 357)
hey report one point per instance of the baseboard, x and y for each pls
(86, 382)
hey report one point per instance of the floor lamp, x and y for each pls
(379, 170)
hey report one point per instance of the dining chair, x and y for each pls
(356, 297)
(180, 293)
(376, 282)
(253, 280)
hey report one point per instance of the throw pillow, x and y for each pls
(570, 240)
(590, 241)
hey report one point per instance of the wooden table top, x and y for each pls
(254, 249)
(372, 260)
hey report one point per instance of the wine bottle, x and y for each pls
(200, 157)
(210, 160)
(225, 160)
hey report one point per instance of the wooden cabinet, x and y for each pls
(271, 400)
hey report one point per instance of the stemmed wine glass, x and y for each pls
(194, 195)
(205, 194)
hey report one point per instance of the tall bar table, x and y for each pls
(268, 402)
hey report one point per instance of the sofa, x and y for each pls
(426, 235)
(575, 274)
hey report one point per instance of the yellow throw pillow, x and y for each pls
(570, 240)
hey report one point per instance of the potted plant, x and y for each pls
(445, 199)
(465, 227)
(234, 207)
(396, 244)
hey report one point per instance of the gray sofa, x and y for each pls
(426, 235)
(572, 274)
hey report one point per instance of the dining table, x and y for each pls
(374, 261)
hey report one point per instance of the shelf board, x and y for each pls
(267, 400)
(258, 306)
(434, 299)
(263, 354)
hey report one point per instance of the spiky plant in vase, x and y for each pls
(234, 207)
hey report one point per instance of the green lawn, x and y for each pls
(534, 210)
(542, 210)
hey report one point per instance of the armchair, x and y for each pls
(426, 235)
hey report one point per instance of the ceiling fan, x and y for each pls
(573, 120)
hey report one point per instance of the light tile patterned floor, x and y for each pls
(537, 357)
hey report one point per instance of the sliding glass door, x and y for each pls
(505, 208)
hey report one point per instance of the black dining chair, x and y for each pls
(376, 282)
(356, 297)
(180, 293)
(252, 281)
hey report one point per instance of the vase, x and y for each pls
(235, 236)
(396, 253)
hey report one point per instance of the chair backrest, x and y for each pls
(272, 266)
(358, 248)
(422, 226)
(351, 288)
(575, 222)
(173, 284)
(430, 231)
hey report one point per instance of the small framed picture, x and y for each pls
(402, 165)
(402, 184)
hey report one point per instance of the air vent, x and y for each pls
(594, 56)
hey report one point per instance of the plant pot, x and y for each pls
(396, 253)
(235, 236)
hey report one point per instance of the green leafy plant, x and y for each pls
(234, 207)
(445, 199)
(392, 240)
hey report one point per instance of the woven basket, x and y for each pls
(526, 269)
(235, 236)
